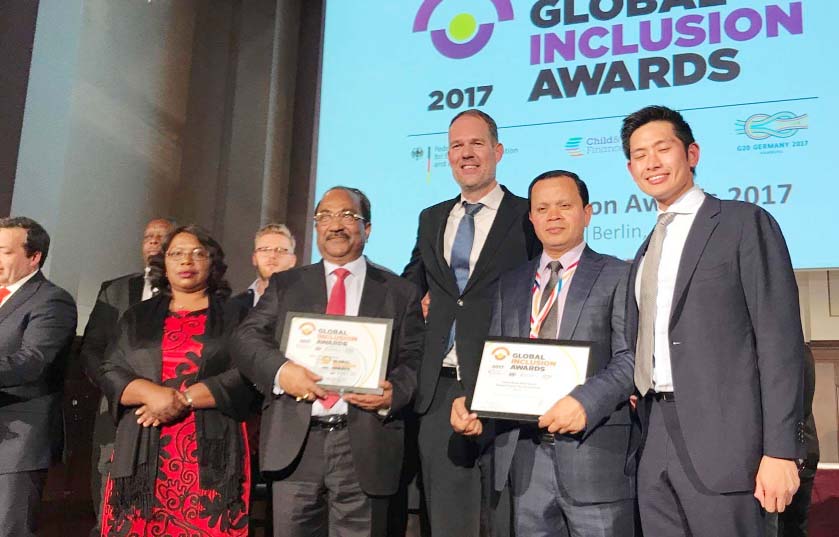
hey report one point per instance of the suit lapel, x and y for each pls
(446, 271)
(373, 294)
(506, 217)
(591, 263)
(21, 295)
(314, 288)
(521, 297)
(703, 226)
(135, 289)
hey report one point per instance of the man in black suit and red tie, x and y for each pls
(37, 325)
(463, 244)
(720, 353)
(335, 461)
(115, 296)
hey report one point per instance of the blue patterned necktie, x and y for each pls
(461, 250)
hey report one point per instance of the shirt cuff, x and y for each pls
(276, 389)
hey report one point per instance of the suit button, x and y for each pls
(459, 301)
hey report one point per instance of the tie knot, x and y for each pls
(664, 219)
(341, 273)
(555, 267)
(472, 208)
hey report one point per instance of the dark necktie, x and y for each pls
(548, 328)
(461, 250)
(337, 305)
(647, 306)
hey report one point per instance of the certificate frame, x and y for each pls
(487, 404)
(308, 340)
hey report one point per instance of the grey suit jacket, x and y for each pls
(377, 442)
(593, 466)
(736, 346)
(37, 326)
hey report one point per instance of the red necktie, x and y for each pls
(337, 305)
(4, 292)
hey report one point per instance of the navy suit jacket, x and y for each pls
(736, 346)
(594, 465)
(37, 326)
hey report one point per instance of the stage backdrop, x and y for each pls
(757, 80)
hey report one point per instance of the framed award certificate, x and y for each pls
(349, 353)
(521, 379)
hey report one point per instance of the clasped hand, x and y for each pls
(161, 405)
(301, 383)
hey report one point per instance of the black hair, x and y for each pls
(363, 200)
(581, 185)
(648, 114)
(216, 284)
(37, 238)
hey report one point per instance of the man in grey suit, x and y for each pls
(570, 474)
(335, 462)
(37, 325)
(115, 296)
(720, 352)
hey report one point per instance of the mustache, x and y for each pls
(337, 235)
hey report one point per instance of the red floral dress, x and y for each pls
(183, 508)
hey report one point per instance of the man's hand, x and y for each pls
(776, 483)
(371, 401)
(424, 303)
(463, 421)
(298, 382)
(567, 416)
(161, 405)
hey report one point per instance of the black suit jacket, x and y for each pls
(114, 298)
(736, 346)
(593, 466)
(510, 243)
(37, 326)
(243, 300)
(377, 442)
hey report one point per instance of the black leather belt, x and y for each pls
(664, 396)
(448, 372)
(334, 422)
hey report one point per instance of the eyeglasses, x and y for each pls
(267, 250)
(346, 217)
(198, 254)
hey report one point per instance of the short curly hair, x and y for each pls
(216, 283)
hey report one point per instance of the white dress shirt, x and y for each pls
(148, 292)
(18, 284)
(483, 222)
(567, 259)
(255, 288)
(671, 254)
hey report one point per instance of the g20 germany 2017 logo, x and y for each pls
(464, 36)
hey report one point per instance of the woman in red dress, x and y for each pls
(181, 465)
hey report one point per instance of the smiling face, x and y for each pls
(187, 264)
(558, 215)
(473, 156)
(659, 162)
(340, 242)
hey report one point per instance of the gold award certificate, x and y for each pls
(349, 353)
(521, 379)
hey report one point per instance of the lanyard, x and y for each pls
(538, 314)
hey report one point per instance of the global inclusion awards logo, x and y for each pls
(464, 36)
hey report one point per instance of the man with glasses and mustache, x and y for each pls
(335, 461)
(273, 251)
(115, 296)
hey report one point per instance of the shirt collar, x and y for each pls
(356, 266)
(253, 286)
(566, 260)
(18, 284)
(687, 203)
(492, 200)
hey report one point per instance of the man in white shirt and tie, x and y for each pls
(335, 461)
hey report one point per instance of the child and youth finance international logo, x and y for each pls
(464, 36)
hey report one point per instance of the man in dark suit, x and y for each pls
(569, 474)
(463, 244)
(37, 325)
(719, 354)
(115, 296)
(335, 461)
(273, 251)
